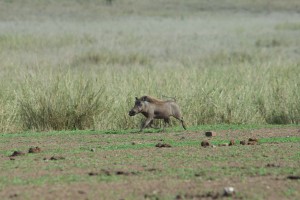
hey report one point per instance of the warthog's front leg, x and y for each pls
(146, 123)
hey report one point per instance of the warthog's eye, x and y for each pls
(138, 103)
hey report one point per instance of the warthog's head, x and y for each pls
(138, 107)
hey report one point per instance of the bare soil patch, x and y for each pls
(116, 169)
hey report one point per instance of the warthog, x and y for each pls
(153, 108)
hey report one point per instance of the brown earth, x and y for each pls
(265, 171)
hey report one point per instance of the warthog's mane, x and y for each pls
(152, 100)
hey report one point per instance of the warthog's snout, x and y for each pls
(131, 113)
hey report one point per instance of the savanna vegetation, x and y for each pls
(232, 65)
(79, 64)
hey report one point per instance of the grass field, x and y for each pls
(79, 64)
(124, 165)
(71, 69)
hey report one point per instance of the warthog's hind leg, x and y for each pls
(182, 122)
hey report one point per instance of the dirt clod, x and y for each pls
(243, 142)
(205, 143)
(210, 134)
(57, 158)
(208, 195)
(272, 165)
(17, 153)
(34, 150)
(81, 192)
(161, 145)
(223, 145)
(252, 143)
(151, 196)
(110, 173)
(13, 196)
(122, 173)
(93, 174)
(293, 177)
(252, 140)
(231, 143)
(152, 170)
(106, 172)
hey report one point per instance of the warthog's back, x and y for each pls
(164, 109)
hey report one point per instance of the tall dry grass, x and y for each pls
(59, 103)
(81, 68)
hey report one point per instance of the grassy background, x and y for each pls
(79, 64)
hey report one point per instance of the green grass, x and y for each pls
(202, 128)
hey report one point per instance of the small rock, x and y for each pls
(243, 142)
(93, 149)
(205, 143)
(210, 134)
(213, 146)
(228, 191)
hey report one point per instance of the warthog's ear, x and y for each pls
(144, 98)
(136, 98)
